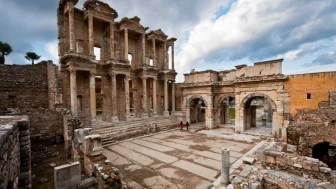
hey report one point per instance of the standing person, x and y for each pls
(181, 125)
(187, 124)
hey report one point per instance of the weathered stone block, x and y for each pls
(92, 145)
(67, 176)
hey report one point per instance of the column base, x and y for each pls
(94, 123)
(166, 113)
(155, 114)
(144, 115)
(128, 117)
(115, 119)
(108, 118)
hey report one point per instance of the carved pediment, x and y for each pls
(132, 23)
(158, 34)
(101, 7)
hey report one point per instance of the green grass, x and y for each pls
(232, 112)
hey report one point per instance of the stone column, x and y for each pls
(225, 171)
(154, 53)
(126, 44)
(154, 97)
(93, 98)
(114, 98)
(144, 102)
(72, 29)
(173, 96)
(91, 41)
(172, 57)
(112, 40)
(73, 92)
(166, 112)
(126, 80)
(144, 48)
(165, 55)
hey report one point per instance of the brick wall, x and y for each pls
(23, 86)
(15, 161)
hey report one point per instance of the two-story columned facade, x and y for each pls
(130, 77)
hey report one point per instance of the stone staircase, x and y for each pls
(114, 132)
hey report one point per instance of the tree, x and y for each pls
(5, 50)
(32, 56)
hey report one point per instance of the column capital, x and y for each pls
(126, 30)
(112, 74)
(92, 72)
(72, 70)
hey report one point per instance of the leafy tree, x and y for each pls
(32, 56)
(5, 50)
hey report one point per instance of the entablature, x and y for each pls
(132, 24)
(157, 35)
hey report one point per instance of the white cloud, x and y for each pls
(257, 30)
(52, 49)
(314, 69)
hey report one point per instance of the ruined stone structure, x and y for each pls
(133, 66)
(240, 87)
(206, 96)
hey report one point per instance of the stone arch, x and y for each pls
(196, 97)
(221, 98)
(249, 97)
(248, 115)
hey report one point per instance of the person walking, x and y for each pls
(187, 124)
(181, 125)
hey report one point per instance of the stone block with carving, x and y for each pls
(79, 136)
(92, 145)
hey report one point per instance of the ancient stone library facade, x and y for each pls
(130, 77)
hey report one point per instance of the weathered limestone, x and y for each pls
(67, 176)
(154, 51)
(144, 102)
(166, 113)
(225, 171)
(143, 38)
(93, 98)
(112, 40)
(126, 43)
(154, 97)
(126, 80)
(73, 92)
(114, 98)
(92, 145)
(173, 97)
(91, 40)
(71, 28)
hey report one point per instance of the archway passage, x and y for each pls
(197, 110)
(227, 111)
(258, 114)
(326, 153)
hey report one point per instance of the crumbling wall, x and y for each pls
(15, 161)
(313, 126)
(45, 124)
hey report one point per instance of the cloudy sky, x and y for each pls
(212, 34)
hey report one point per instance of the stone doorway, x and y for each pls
(258, 115)
(226, 113)
(197, 110)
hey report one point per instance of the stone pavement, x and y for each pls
(174, 159)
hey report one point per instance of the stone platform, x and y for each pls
(174, 159)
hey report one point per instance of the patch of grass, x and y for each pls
(232, 113)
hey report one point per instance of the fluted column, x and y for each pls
(126, 44)
(91, 41)
(165, 55)
(73, 92)
(154, 53)
(114, 98)
(127, 101)
(154, 97)
(166, 112)
(144, 101)
(173, 96)
(172, 57)
(93, 98)
(144, 48)
(71, 29)
(112, 40)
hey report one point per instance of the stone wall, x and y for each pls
(15, 159)
(24, 86)
(313, 126)
(45, 124)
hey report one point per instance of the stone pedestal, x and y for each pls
(67, 176)
(92, 145)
